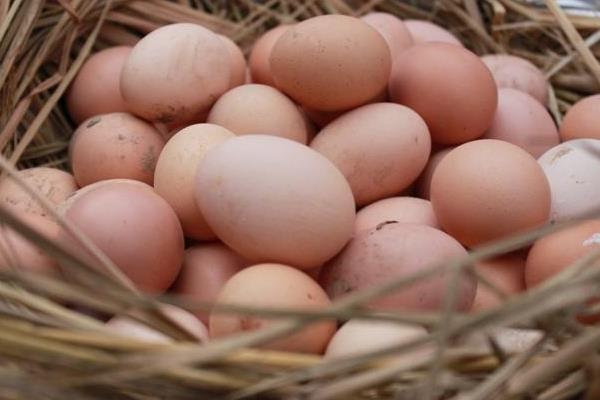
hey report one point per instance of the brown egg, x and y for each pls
(438, 81)
(396, 250)
(425, 31)
(331, 62)
(489, 189)
(522, 120)
(18, 252)
(404, 210)
(134, 227)
(273, 286)
(518, 73)
(392, 29)
(51, 183)
(95, 90)
(206, 268)
(175, 73)
(380, 148)
(238, 62)
(259, 109)
(275, 200)
(506, 272)
(258, 62)
(582, 120)
(424, 181)
(114, 146)
(175, 174)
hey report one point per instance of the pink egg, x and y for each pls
(260, 67)
(425, 31)
(404, 210)
(238, 62)
(424, 181)
(392, 29)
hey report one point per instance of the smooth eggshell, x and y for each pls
(331, 62)
(205, 269)
(573, 170)
(238, 62)
(425, 31)
(258, 62)
(438, 81)
(114, 146)
(392, 29)
(522, 120)
(582, 121)
(95, 90)
(380, 148)
(404, 210)
(259, 109)
(507, 273)
(487, 190)
(273, 286)
(518, 73)
(273, 199)
(175, 174)
(134, 227)
(51, 183)
(393, 251)
(424, 182)
(175, 73)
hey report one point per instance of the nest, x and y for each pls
(49, 349)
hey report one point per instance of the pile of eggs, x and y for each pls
(347, 152)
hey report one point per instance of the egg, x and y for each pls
(582, 121)
(518, 73)
(487, 190)
(51, 183)
(114, 146)
(273, 286)
(510, 340)
(507, 273)
(134, 227)
(259, 109)
(380, 148)
(95, 90)
(392, 29)
(425, 31)
(438, 81)
(275, 200)
(404, 210)
(175, 73)
(358, 337)
(393, 251)
(238, 62)
(573, 170)
(206, 267)
(258, 62)
(553, 253)
(331, 62)
(423, 186)
(19, 252)
(175, 174)
(522, 120)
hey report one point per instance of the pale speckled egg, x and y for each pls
(573, 170)
(114, 146)
(392, 29)
(507, 273)
(456, 109)
(95, 90)
(175, 73)
(425, 31)
(489, 189)
(53, 184)
(273, 286)
(423, 186)
(175, 174)
(259, 109)
(404, 210)
(258, 62)
(582, 121)
(331, 62)
(206, 267)
(392, 251)
(275, 200)
(518, 73)
(238, 62)
(522, 120)
(134, 227)
(380, 148)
